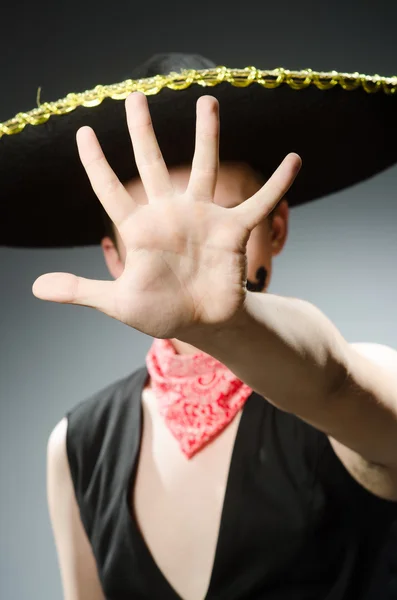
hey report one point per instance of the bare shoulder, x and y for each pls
(58, 473)
(76, 560)
(56, 446)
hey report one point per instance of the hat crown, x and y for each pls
(164, 63)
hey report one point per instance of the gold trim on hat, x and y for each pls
(297, 80)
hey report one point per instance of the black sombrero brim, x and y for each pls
(343, 136)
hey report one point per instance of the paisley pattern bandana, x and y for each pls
(198, 396)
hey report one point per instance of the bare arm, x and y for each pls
(291, 353)
(77, 564)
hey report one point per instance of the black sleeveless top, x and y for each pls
(295, 525)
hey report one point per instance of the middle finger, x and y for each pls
(205, 164)
(148, 157)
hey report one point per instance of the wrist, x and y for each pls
(209, 337)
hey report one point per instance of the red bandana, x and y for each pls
(198, 396)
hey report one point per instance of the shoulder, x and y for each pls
(382, 355)
(56, 448)
(59, 482)
(96, 429)
(78, 568)
(104, 408)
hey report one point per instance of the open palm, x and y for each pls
(185, 262)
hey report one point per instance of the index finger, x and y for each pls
(148, 157)
(256, 208)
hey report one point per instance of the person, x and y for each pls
(253, 455)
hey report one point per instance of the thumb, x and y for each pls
(70, 289)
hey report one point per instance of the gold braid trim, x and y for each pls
(297, 80)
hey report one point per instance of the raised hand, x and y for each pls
(185, 264)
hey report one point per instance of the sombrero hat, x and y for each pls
(343, 125)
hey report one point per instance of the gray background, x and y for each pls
(340, 255)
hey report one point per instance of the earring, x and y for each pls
(261, 276)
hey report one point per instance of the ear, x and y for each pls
(112, 259)
(279, 227)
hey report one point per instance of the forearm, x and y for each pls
(284, 348)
